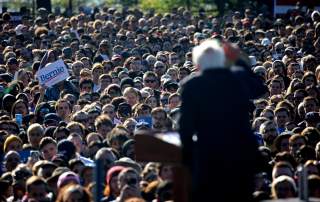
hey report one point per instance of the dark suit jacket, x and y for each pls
(215, 107)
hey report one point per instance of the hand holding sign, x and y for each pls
(52, 73)
(42, 89)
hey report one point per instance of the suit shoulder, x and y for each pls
(190, 80)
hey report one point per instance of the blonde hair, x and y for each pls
(130, 90)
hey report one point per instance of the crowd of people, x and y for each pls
(125, 72)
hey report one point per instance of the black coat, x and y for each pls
(215, 107)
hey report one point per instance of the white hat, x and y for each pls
(265, 42)
(19, 29)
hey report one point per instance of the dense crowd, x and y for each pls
(126, 69)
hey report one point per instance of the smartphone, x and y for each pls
(35, 155)
(19, 119)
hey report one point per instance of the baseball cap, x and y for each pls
(12, 61)
(51, 118)
(312, 117)
(124, 109)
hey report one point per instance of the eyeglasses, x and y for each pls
(149, 81)
(159, 67)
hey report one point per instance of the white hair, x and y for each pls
(260, 69)
(284, 178)
(209, 55)
(313, 14)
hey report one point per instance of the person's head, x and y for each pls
(281, 143)
(11, 160)
(206, 52)
(309, 63)
(312, 135)
(159, 117)
(12, 143)
(134, 64)
(48, 148)
(275, 87)
(67, 149)
(152, 101)
(165, 172)
(128, 176)
(86, 85)
(117, 137)
(63, 108)
(296, 141)
(113, 90)
(106, 156)
(19, 107)
(81, 117)
(310, 104)
(112, 187)
(93, 137)
(104, 80)
(143, 110)
(109, 110)
(97, 70)
(309, 79)
(35, 133)
(283, 187)
(103, 125)
(131, 95)
(130, 125)
(257, 122)
(282, 116)
(76, 67)
(66, 178)
(76, 127)
(174, 101)
(36, 188)
(268, 131)
(76, 165)
(74, 193)
(282, 168)
(60, 133)
(150, 80)
(173, 59)
(76, 139)
(278, 67)
(314, 186)
(159, 68)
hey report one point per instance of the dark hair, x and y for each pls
(312, 135)
(313, 184)
(103, 120)
(61, 129)
(86, 81)
(285, 157)
(34, 180)
(14, 107)
(45, 141)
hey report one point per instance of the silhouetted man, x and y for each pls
(215, 109)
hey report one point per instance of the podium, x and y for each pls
(164, 148)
